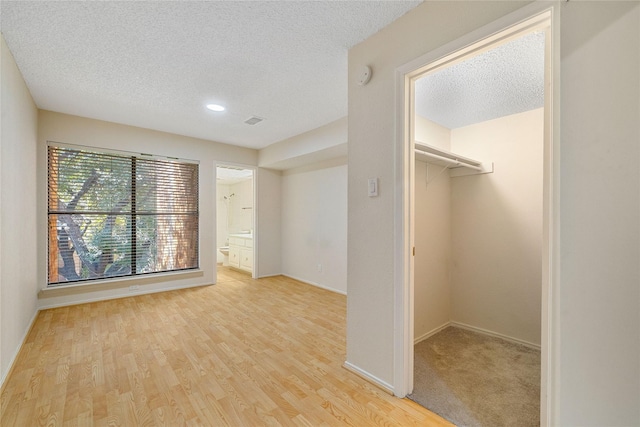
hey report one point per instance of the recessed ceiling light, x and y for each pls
(215, 107)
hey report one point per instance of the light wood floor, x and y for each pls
(244, 352)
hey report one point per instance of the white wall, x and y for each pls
(432, 266)
(81, 131)
(19, 259)
(595, 323)
(496, 227)
(314, 224)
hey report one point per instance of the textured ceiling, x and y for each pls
(506, 80)
(157, 64)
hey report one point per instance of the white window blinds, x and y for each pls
(113, 215)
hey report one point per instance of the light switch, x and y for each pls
(373, 187)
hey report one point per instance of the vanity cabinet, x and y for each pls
(241, 252)
(234, 256)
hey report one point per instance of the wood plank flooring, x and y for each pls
(244, 352)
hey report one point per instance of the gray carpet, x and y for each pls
(472, 379)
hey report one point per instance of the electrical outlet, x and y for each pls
(134, 288)
(319, 268)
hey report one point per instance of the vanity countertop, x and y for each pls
(242, 235)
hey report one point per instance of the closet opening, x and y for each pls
(477, 228)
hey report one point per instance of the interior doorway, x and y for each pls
(235, 218)
(434, 175)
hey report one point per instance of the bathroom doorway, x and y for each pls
(235, 218)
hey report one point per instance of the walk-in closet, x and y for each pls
(479, 137)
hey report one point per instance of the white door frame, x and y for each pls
(533, 14)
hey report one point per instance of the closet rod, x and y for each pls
(452, 162)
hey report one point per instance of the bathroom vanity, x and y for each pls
(241, 251)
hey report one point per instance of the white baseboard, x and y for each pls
(431, 333)
(386, 387)
(17, 351)
(268, 275)
(119, 296)
(495, 334)
(317, 285)
(474, 329)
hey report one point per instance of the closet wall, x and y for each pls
(495, 232)
(432, 268)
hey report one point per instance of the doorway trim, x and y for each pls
(509, 26)
(254, 219)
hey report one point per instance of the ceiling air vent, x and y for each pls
(253, 120)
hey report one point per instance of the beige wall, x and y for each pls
(241, 218)
(478, 238)
(496, 227)
(372, 133)
(595, 323)
(314, 224)
(316, 145)
(94, 133)
(598, 292)
(222, 220)
(269, 234)
(232, 215)
(19, 259)
(432, 133)
(432, 267)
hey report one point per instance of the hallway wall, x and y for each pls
(314, 224)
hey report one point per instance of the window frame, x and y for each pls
(131, 276)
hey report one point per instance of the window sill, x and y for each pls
(118, 283)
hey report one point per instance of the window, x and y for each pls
(119, 214)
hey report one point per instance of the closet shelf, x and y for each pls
(459, 165)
